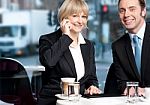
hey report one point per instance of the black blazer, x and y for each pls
(111, 85)
(55, 55)
(124, 62)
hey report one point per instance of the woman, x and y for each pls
(65, 53)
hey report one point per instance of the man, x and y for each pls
(132, 15)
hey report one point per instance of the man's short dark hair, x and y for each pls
(141, 2)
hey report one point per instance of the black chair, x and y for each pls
(14, 83)
(111, 85)
(36, 83)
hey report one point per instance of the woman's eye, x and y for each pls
(74, 15)
(84, 16)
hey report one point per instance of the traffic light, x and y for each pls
(0, 18)
(105, 8)
(52, 18)
(104, 12)
(50, 23)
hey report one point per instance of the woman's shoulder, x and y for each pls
(52, 35)
(88, 41)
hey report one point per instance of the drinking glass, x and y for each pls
(134, 97)
(64, 85)
(74, 91)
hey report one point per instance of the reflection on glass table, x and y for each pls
(118, 100)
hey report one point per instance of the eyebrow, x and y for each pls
(128, 7)
(131, 7)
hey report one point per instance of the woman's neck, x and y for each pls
(75, 39)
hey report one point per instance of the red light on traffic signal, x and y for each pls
(105, 8)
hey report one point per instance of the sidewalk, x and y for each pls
(106, 57)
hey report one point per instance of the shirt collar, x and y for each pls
(140, 33)
(81, 40)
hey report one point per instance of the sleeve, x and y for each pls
(119, 71)
(92, 80)
(51, 50)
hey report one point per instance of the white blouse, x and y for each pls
(77, 57)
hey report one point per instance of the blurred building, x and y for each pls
(103, 25)
(29, 4)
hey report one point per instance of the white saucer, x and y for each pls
(141, 99)
(61, 96)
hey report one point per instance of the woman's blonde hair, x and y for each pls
(70, 7)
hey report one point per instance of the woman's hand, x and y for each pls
(65, 26)
(93, 90)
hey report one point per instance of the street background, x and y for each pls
(23, 21)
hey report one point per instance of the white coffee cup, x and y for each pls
(147, 93)
(65, 82)
(67, 79)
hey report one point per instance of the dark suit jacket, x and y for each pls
(124, 62)
(111, 85)
(55, 55)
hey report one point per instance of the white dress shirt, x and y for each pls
(140, 34)
(77, 57)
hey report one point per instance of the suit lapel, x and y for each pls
(70, 61)
(145, 48)
(130, 55)
(85, 55)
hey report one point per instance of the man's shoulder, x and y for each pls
(121, 41)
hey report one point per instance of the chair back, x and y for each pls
(14, 83)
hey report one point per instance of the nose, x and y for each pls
(127, 13)
(80, 19)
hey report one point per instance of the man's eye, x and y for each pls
(121, 11)
(132, 9)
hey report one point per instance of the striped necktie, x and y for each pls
(137, 48)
